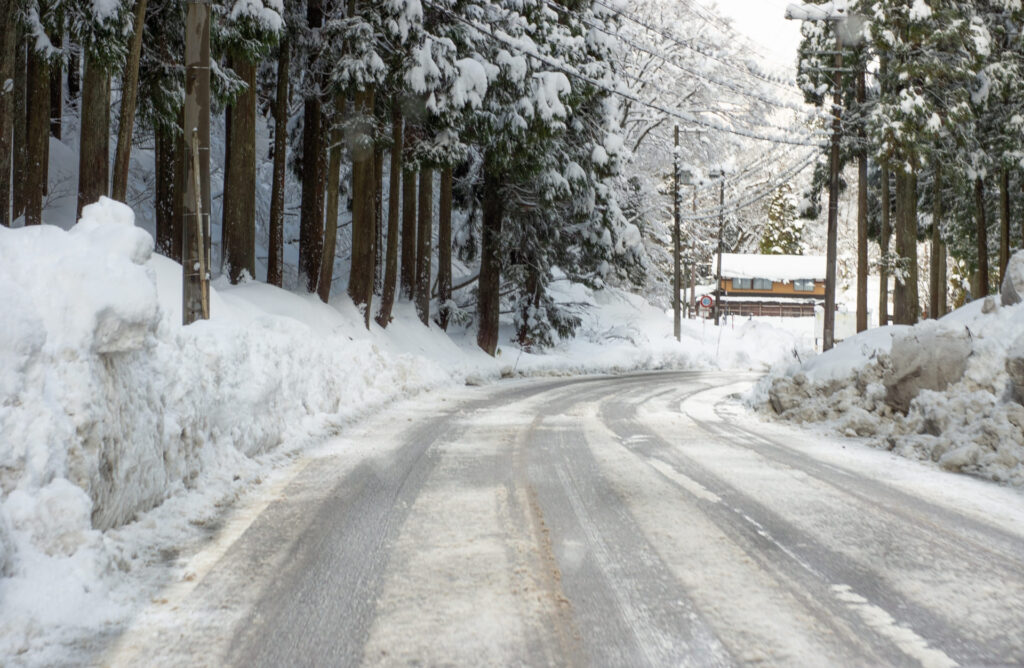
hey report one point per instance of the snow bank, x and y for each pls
(108, 406)
(948, 391)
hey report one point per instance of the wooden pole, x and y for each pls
(196, 202)
(677, 284)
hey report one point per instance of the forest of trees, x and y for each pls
(517, 117)
(504, 109)
(933, 114)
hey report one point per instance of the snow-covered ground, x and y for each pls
(124, 436)
(947, 391)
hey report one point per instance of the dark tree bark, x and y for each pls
(408, 278)
(178, 230)
(361, 146)
(94, 154)
(935, 283)
(982, 237)
(488, 299)
(8, 35)
(387, 300)
(129, 90)
(883, 272)
(310, 222)
(912, 304)
(898, 292)
(311, 216)
(333, 178)
(74, 73)
(444, 249)
(424, 236)
(37, 140)
(166, 225)
(1004, 222)
(862, 219)
(275, 244)
(378, 220)
(56, 90)
(239, 221)
(19, 148)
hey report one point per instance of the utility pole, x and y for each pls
(693, 259)
(828, 335)
(721, 232)
(677, 284)
(846, 29)
(862, 211)
(196, 204)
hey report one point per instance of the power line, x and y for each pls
(682, 115)
(788, 84)
(739, 90)
(738, 206)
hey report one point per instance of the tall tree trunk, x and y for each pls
(129, 90)
(883, 243)
(361, 146)
(275, 243)
(239, 221)
(227, 194)
(943, 281)
(899, 292)
(95, 133)
(378, 220)
(37, 140)
(311, 218)
(935, 282)
(424, 236)
(74, 72)
(178, 230)
(488, 300)
(408, 277)
(19, 117)
(1004, 222)
(56, 89)
(444, 249)
(8, 35)
(387, 300)
(163, 204)
(333, 179)
(862, 219)
(982, 237)
(913, 302)
(310, 221)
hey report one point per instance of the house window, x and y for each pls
(803, 285)
(762, 284)
(741, 284)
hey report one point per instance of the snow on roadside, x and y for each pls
(124, 435)
(941, 391)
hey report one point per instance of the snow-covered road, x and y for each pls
(638, 520)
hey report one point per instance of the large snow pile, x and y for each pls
(949, 391)
(108, 406)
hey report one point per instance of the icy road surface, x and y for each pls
(639, 520)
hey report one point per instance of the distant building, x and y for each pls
(772, 285)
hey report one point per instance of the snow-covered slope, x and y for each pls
(943, 391)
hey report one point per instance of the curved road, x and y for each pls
(641, 520)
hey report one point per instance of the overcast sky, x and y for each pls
(763, 21)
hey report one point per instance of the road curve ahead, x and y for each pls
(642, 520)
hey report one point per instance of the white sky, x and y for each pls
(763, 21)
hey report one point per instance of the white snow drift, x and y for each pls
(949, 391)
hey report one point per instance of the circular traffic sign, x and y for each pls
(706, 301)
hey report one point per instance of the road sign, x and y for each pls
(706, 301)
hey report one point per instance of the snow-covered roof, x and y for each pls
(773, 267)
